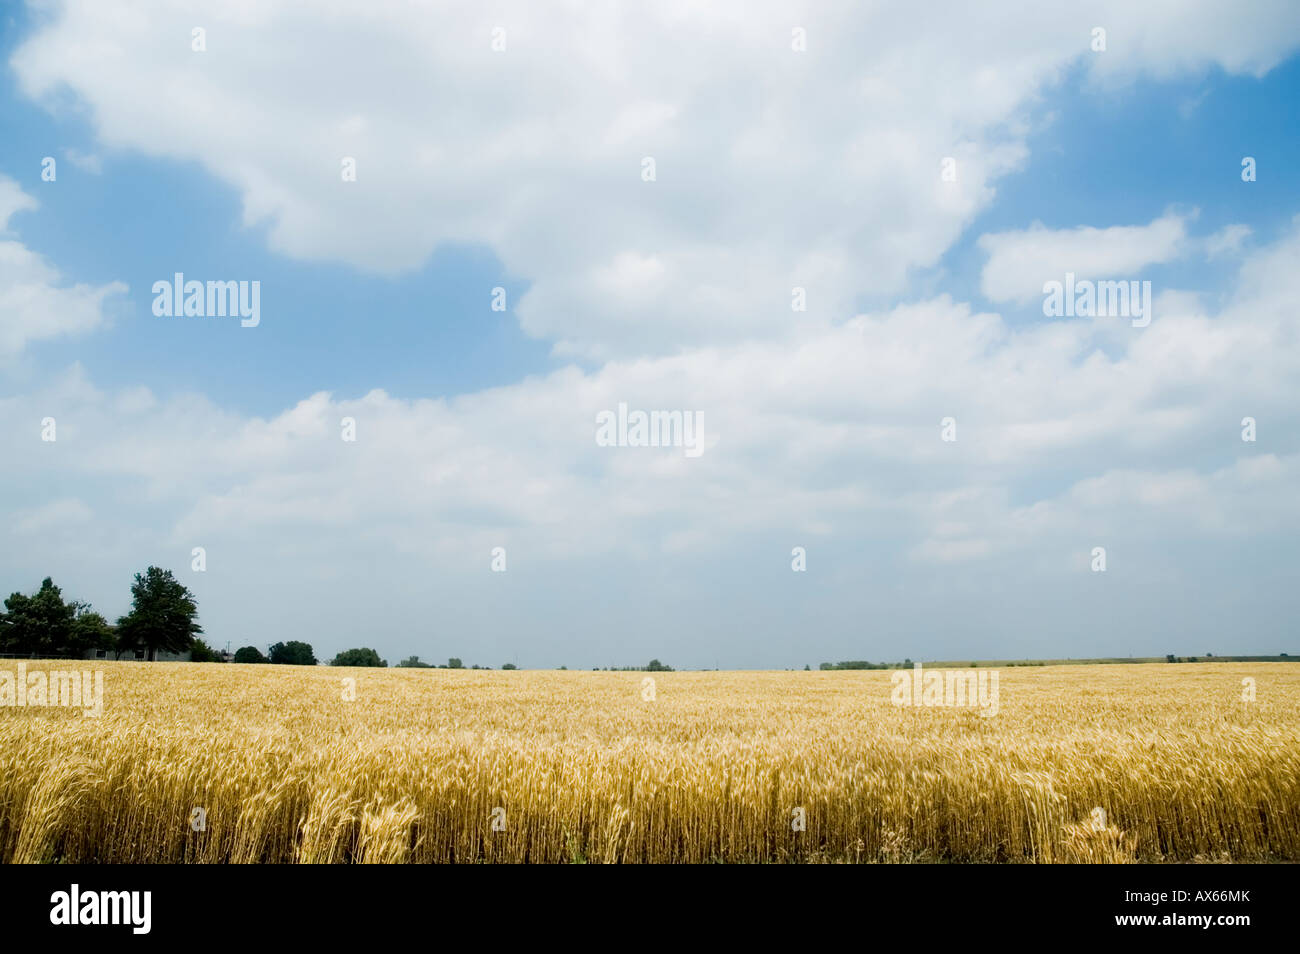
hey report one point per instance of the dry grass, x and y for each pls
(411, 771)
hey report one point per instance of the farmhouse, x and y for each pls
(135, 655)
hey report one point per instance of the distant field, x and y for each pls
(1095, 661)
(1152, 762)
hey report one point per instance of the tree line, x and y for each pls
(163, 617)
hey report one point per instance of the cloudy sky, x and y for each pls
(919, 176)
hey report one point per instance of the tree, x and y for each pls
(293, 653)
(358, 657)
(44, 625)
(249, 654)
(509, 666)
(454, 663)
(413, 662)
(202, 652)
(40, 624)
(657, 666)
(163, 615)
(89, 631)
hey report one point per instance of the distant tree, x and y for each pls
(249, 654)
(359, 657)
(509, 666)
(163, 615)
(656, 666)
(564, 668)
(454, 663)
(40, 624)
(1171, 658)
(202, 652)
(44, 625)
(413, 662)
(292, 653)
(90, 631)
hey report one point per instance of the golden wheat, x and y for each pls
(467, 766)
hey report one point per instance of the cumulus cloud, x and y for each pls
(1227, 241)
(775, 168)
(35, 303)
(1070, 434)
(1021, 261)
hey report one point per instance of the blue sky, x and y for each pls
(521, 172)
(1124, 156)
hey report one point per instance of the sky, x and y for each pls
(645, 195)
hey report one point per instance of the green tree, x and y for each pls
(44, 625)
(413, 662)
(40, 624)
(454, 663)
(358, 657)
(163, 615)
(90, 631)
(657, 666)
(249, 654)
(202, 652)
(293, 653)
(509, 666)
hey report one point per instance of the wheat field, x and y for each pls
(1081, 763)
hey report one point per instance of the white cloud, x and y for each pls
(1070, 434)
(775, 168)
(12, 201)
(1227, 241)
(1020, 262)
(35, 303)
(84, 161)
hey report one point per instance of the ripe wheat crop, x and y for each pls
(229, 763)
